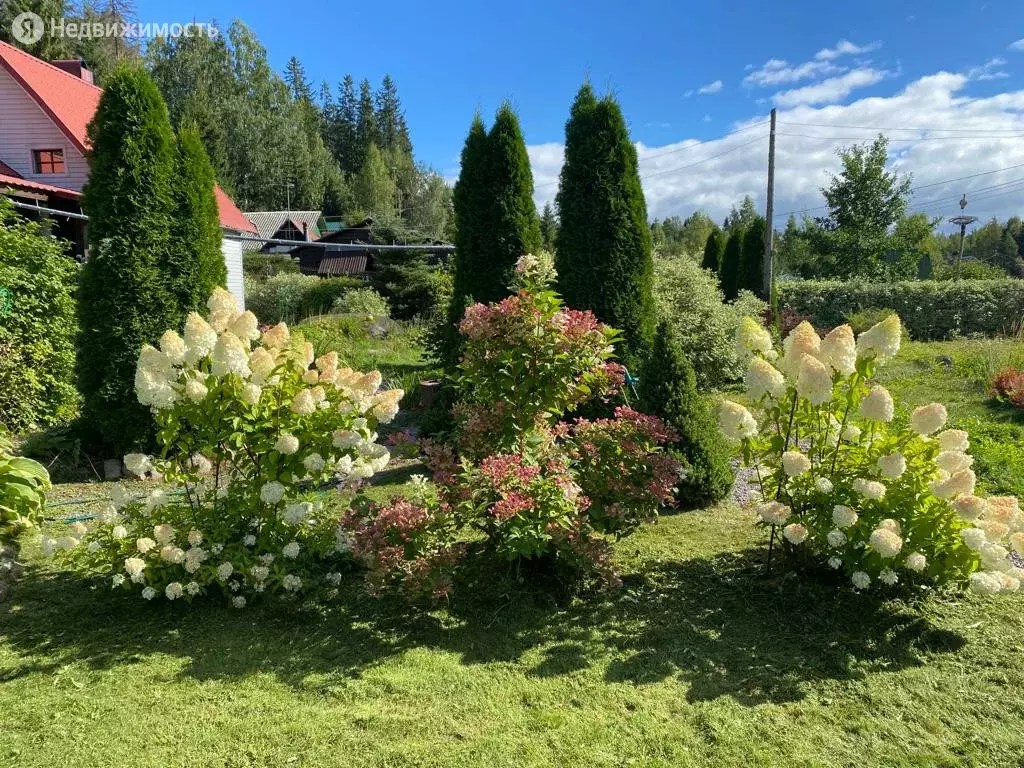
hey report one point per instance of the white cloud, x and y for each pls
(710, 88)
(990, 70)
(831, 90)
(844, 48)
(1017, 46)
(938, 101)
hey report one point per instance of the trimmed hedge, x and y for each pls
(295, 297)
(929, 309)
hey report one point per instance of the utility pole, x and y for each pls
(769, 232)
(962, 220)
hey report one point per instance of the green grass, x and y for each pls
(700, 660)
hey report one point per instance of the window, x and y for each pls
(48, 160)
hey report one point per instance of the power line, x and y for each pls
(705, 160)
(899, 140)
(904, 128)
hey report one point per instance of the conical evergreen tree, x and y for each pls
(604, 241)
(668, 389)
(195, 263)
(713, 249)
(513, 228)
(124, 301)
(729, 274)
(751, 277)
(548, 228)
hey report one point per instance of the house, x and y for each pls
(321, 260)
(301, 226)
(44, 111)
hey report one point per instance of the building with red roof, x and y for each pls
(44, 110)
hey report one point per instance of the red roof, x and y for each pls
(71, 102)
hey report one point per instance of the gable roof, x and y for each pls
(71, 102)
(11, 178)
(268, 222)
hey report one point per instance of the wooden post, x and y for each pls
(769, 235)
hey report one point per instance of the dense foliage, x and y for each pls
(1008, 387)
(604, 241)
(714, 248)
(37, 326)
(704, 325)
(930, 309)
(732, 258)
(751, 267)
(125, 293)
(23, 486)
(668, 389)
(292, 297)
(849, 486)
(247, 430)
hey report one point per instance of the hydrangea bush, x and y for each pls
(845, 483)
(250, 425)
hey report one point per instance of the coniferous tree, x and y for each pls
(548, 228)
(124, 301)
(751, 273)
(513, 228)
(729, 274)
(366, 124)
(470, 203)
(604, 242)
(668, 389)
(345, 130)
(391, 128)
(195, 265)
(713, 249)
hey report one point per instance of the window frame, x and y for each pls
(54, 155)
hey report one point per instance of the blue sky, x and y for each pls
(859, 63)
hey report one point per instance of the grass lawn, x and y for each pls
(700, 660)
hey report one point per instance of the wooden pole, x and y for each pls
(769, 235)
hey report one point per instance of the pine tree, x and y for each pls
(391, 127)
(513, 228)
(123, 298)
(298, 83)
(366, 124)
(668, 389)
(344, 143)
(713, 249)
(195, 265)
(729, 274)
(604, 242)
(751, 272)
(548, 228)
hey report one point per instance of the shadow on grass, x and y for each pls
(714, 624)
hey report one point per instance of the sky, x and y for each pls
(943, 80)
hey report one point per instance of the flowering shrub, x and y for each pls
(247, 431)
(842, 482)
(1008, 387)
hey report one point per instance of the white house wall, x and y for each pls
(232, 250)
(24, 126)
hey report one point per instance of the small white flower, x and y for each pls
(839, 350)
(195, 538)
(824, 485)
(173, 590)
(304, 403)
(148, 593)
(878, 405)
(970, 508)
(886, 543)
(333, 579)
(835, 563)
(843, 516)
(313, 463)
(974, 538)
(888, 576)
(134, 567)
(272, 493)
(230, 355)
(795, 533)
(251, 393)
(164, 534)
(860, 580)
(959, 484)
(297, 512)
(735, 421)
(851, 433)
(287, 444)
(117, 580)
(266, 558)
(195, 389)
(836, 538)
(916, 562)
(238, 602)
(224, 571)
(193, 588)
(173, 347)
(882, 341)
(259, 572)
(291, 549)
(763, 379)
(199, 338)
(869, 489)
(249, 540)
(144, 544)
(892, 466)
(172, 554)
(217, 549)
(291, 583)
(953, 461)
(795, 463)
(953, 440)
(814, 381)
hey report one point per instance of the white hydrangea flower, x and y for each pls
(272, 493)
(119, 496)
(824, 485)
(251, 393)
(343, 467)
(173, 590)
(885, 542)
(291, 583)
(1017, 542)
(314, 463)
(795, 533)
(974, 538)
(839, 350)
(878, 405)
(117, 580)
(199, 338)
(346, 438)
(134, 566)
(193, 588)
(836, 538)
(983, 583)
(67, 542)
(814, 381)
(230, 355)
(953, 440)
(217, 549)
(245, 326)
(148, 593)
(928, 418)
(172, 554)
(869, 489)
(164, 534)
(157, 499)
(763, 379)
(144, 544)
(851, 433)
(888, 576)
(290, 550)
(892, 466)
(304, 403)
(277, 337)
(385, 405)
(970, 508)
(173, 347)
(860, 580)
(296, 513)
(959, 484)
(953, 461)
(238, 601)
(752, 339)
(735, 421)
(802, 340)
(119, 532)
(138, 464)
(311, 377)
(835, 563)
(795, 463)
(194, 558)
(916, 562)
(224, 571)
(287, 444)
(48, 545)
(882, 341)
(843, 516)
(774, 512)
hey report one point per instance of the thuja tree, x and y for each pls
(124, 296)
(668, 389)
(751, 271)
(195, 265)
(713, 249)
(729, 273)
(604, 244)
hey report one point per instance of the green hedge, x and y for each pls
(929, 309)
(294, 297)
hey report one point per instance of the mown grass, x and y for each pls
(700, 660)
